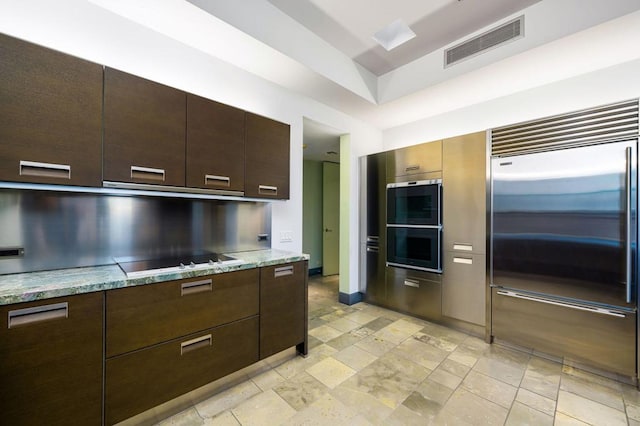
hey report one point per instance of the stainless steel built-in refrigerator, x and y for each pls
(563, 253)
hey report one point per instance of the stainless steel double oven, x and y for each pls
(414, 225)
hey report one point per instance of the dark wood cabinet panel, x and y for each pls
(283, 307)
(140, 380)
(51, 361)
(50, 116)
(144, 131)
(267, 158)
(141, 316)
(215, 145)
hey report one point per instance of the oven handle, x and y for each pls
(395, 225)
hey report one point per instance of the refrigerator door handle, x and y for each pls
(628, 152)
(595, 310)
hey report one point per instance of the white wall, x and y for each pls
(608, 85)
(85, 30)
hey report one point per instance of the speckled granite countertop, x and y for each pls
(25, 287)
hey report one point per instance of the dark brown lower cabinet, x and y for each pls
(140, 380)
(283, 308)
(51, 361)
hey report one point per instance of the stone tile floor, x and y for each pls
(371, 366)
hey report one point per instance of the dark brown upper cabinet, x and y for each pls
(215, 145)
(50, 116)
(144, 131)
(267, 158)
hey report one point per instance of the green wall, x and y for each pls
(312, 212)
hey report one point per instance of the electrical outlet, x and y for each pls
(286, 236)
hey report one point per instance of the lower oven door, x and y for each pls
(414, 247)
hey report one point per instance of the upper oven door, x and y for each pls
(414, 203)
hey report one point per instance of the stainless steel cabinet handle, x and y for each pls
(36, 314)
(217, 180)
(372, 239)
(462, 247)
(627, 220)
(196, 287)
(411, 283)
(138, 172)
(197, 343)
(412, 168)
(564, 305)
(373, 249)
(283, 271)
(34, 168)
(463, 260)
(267, 190)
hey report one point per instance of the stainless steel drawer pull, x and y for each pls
(411, 283)
(412, 168)
(283, 271)
(463, 260)
(138, 172)
(601, 311)
(462, 247)
(373, 249)
(217, 180)
(373, 239)
(194, 344)
(38, 314)
(196, 287)
(267, 190)
(33, 168)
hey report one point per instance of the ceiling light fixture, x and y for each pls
(394, 34)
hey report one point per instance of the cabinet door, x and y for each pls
(145, 315)
(215, 145)
(141, 380)
(463, 287)
(415, 292)
(144, 131)
(51, 361)
(414, 160)
(283, 307)
(464, 193)
(50, 116)
(267, 158)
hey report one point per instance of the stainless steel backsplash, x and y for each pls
(64, 229)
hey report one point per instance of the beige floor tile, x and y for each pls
(344, 341)
(544, 366)
(593, 391)
(500, 370)
(378, 323)
(428, 356)
(442, 332)
(267, 408)
(508, 356)
(542, 384)
(355, 357)
(403, 416)
(331, 372)
(522, 415)
(438, 342)
(325, 411)
(434, 391)
(445, 378)
(465, 407)
(223, 419)
(227, 399)
(375, 345)
(360, 317)
(427, 408)
(301, 390)
(325, 333)
(464, 356)
(633, 412)
(371, 408)
(185, 418)
(344, 324)
(268, 380)
(589, 411)
(455, 367)
(564, 420)
(397, 332)
(535, 401)
(631, 395)
(591, 377)
(489, 388)
(634, 422)
(475, 343)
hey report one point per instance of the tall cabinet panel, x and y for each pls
(50, 116)
(267, 158)
(144, 131)
(376, 237)
(215, 145)
(464, 227)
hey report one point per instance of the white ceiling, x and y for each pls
(349, 25)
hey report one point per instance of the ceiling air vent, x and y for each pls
(493, 38)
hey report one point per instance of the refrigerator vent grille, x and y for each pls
(592, 126)
(493, 38)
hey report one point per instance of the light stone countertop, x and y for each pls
(29, 286)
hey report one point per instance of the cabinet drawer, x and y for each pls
(140, 380)
(51, 361)
(415, 292)
(283, 299)
(142, 316)
(414, 160)
(463, 287)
